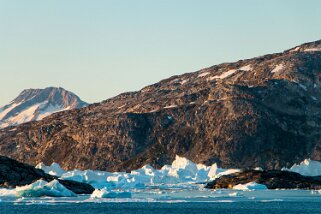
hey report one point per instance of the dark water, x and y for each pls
(157, 208)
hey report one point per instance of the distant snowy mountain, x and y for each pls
(35, 104)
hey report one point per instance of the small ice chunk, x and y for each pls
(234, 194)
(104, 193)
(250, 186)
(258, 169)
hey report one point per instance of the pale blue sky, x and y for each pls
(100, 48)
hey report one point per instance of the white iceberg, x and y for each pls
(53, 169)
(104, 193)
(250, 186)
(97, 179)
(38, 189)
(307, 167)
(181, 171)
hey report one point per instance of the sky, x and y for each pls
(101, 48)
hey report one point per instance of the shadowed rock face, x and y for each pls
(264, 111)
(13, 173)
(274, 179)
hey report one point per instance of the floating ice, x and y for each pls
(182, 171)
(38, 189)
(250, 186)
(104, 193)
(181, 175)
(307, 167)
(224, 75)
(53, 169)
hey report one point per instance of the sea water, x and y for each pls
(158, 208)
(173, 201)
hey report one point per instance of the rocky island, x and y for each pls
(14, 173)
(272, 179)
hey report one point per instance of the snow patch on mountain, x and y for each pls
(278, 68)
(6, 109)
(203, 74)
(312, 49)
(36, 104)
(224, 75)
(246, 68)
(171, 106)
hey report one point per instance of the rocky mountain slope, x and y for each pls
(35, 104)
(264, 111)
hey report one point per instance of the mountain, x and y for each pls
(261, 112)
(35, 104)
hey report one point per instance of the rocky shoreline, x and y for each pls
(14, 173)
(272, 179)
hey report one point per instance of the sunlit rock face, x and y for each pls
(261, 112)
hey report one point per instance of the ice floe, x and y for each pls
(250, 186)
(104, 193)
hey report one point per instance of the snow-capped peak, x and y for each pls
(35, 104)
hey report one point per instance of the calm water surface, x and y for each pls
(157, 208)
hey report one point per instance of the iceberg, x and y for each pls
(39, 188)
(53, 169)
(250, 186)
(104, 193)
(181, 171)
(307, 167)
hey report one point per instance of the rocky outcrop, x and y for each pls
(13, 173)
(264, 111)
(272, 179)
